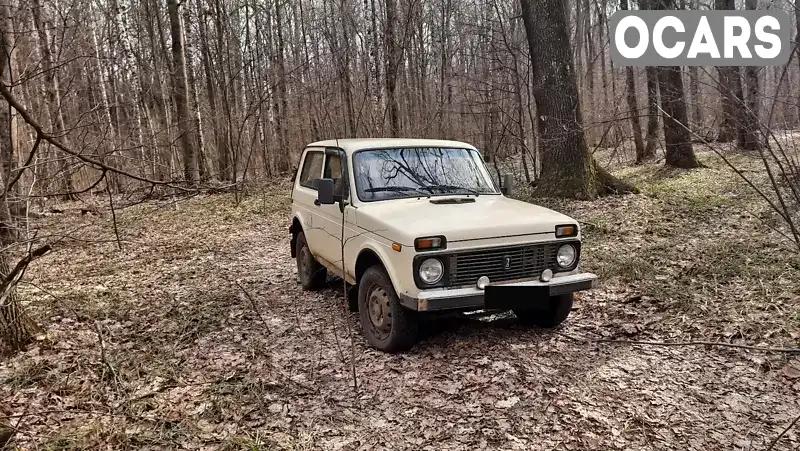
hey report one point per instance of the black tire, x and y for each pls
(556, 312)
(312, 275)
(396, 328)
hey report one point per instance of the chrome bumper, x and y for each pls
(535, 291)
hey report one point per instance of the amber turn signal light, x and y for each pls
(566, 230)
(428, 243)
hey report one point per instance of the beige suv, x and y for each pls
(417, 226)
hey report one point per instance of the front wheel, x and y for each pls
(388, 326)
(556, 311)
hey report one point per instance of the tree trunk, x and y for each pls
(180, 95)
(282, 104)
(16, 328)
(111, 179)
(568, 170)
(223, 160)
(750, 124)
(677, 137)
(737, 121)
(677, 134)
(633, 105)
(730, 89)
(53, 93)
(652, 114)
(392, 61)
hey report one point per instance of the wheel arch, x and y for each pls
(368, 257)
(295, 230)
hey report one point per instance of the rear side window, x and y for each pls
(312, 168)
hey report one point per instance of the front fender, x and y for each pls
(396, 264)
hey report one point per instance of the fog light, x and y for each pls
(547, 274)
(482, 282)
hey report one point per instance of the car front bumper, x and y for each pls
(531, 293)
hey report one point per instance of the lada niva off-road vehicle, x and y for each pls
(418, 226)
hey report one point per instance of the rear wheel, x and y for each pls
(556, 311)
(312, 274)
(388, 326)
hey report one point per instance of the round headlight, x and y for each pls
(431, 271)
(566, 256)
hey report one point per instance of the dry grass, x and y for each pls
(187, 362)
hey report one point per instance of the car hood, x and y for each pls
(489, 216)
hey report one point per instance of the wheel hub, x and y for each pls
(305, 267)
(379, 313)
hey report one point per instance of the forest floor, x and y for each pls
(196, 335)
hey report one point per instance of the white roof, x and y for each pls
(353, 144)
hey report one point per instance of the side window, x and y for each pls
(312, 167)
(333, 170)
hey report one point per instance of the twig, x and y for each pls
(255, 306)
(55, 142)
(113, 213)
(103, 355)
(775, 441)
(15, 275)
(682, 343)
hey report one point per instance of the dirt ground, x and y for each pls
(196, 335)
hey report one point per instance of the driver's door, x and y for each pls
(330, 216)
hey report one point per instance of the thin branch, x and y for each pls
(683, 343)
(12, 278)
(98, 164)
(255, 307)
(775, 440)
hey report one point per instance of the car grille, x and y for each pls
(523, 262)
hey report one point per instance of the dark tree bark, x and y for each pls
(737, 122)
(796, 5)
(677, 135)
(17, 329)
(694, 87)
(568, 170)
(281, 103)
(750, 125)
(392, 61)
(223, 159)
(633, 105)
(730, 89)
(180, 95)
(43, 27)
(652, 115)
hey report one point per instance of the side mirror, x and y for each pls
(508, 184)
(325, 192)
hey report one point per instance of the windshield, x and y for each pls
(420, 171)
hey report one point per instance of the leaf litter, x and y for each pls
(190, 362)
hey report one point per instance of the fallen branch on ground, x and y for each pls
(15, 275)
(681, 343)
(775, 441)
(255, 307)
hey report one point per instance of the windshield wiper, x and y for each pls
(453, 188)
(396, 189)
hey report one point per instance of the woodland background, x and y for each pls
(145, 148)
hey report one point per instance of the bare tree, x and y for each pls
(568, 170)
(180, 94)
(43, 26)
(677, 131)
